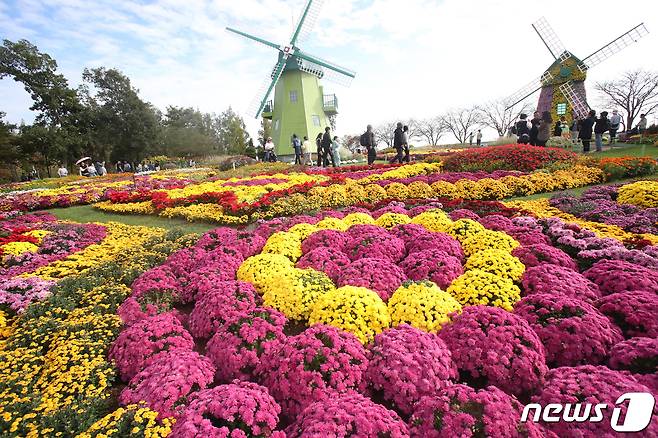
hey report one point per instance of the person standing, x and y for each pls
(335, 149)
(585, 128)
(470, 139)
(326, 148)
(405, 139)
(269, 150)
(642, 124)
(557, 130)
(615, 122)
(62, 171)
(367, 140)
(544, 129)
(522, 129)
(575, 125)
(318, 145)
(601, 125)
(306, 151)
(398, 141)
(297, 147)
(478, 138)
(534, 128)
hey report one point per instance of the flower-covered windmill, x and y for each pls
(562, 85)
(300, 105)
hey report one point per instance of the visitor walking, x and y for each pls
(544, 129)
(642, 124)
(269, 150)
(601, 126)
(615, 122)
(398, 141)
(575, 124)
(306, 151)
(405, 139)
(327, 148)
(478, 138)
(318, 145)
(91, 170)
(367, 140)
(297, 147)
(335, 149)
(522, 129)
(585, 128)
(470, 139)
(534, 128)
(62, 171)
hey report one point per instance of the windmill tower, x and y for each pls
(562, 85)
(300, 105)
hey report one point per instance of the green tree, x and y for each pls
(124, 126)
(189, 132)
(265, 130)
(10, 154)
(233, 136)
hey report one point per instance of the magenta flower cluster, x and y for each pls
(432, 264)
(614, 276)
(406, 364)
(560, 281)
(636, 312)
(637, 355)
(18, 293)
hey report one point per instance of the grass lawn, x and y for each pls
(625, 150)
(86, 213)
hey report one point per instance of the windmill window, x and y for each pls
(561, 109)
(293, 96)
(316, 120)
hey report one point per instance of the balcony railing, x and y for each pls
(330, 103)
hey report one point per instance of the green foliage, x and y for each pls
(233, 137)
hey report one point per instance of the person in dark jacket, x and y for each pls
(534, 129)
(522, 130)
(327, 143)
(585, 127)
(297, 147)
(368, 141)
(318, 145)
(544, 130)
(398, 143)
(601, 126)
(557, 129)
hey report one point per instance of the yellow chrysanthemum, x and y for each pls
(18, 248)
(259, 269)
(488, 240)
(464, 228)
(294, 292)
(433, 220)
(476, 287)
(358, 219)
(284, 243)
(422, 305)
(390, 220)
(498, 262)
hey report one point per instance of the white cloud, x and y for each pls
(415, 58)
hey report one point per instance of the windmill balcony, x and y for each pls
(267, 110)
(330, 104)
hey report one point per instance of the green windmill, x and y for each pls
(300, 105)
(563, 84)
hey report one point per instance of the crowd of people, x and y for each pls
(540, 128)
(86, 168)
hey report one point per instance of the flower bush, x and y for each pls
(637, 355)
(535, 255)
(406, 364)
(238, 409)
(588, 384)
(133, 420)
(312, 366)
(379, 275)
(614, 276)
(636, 313)
(168, 379)
(477, 287)
(331, 261)
(347, 415)
(434, 265)
(488, 240)
(294, 292)
(558, 280)
(422, 305)
(572, 331)
(356, 310)
(493, 347)
(146, 338)
(459, 410)
(18, 293)
(497, 262)
(379, 245)
(641, 193)
(237, 346)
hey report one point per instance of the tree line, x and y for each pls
(104, 118)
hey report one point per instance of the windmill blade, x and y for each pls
(549, 37)
(330, 71)
(578, 105)
(260, 100)
(253, 38)
(615, 46)
(306, 21)
(528, 90)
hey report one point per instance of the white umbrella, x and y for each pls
(82, 160)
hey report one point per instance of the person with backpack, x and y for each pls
(327, 148)
(367, 140)
(297, 147)
(601, 126)
(615, 122)
(522, 129)
(585, 127)
(398, 143)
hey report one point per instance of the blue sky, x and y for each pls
(414, 58)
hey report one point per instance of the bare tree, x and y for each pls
(350, 142)
(462, 121)
(496, 115)
(432, 129)
(385, 133)
(636, 93)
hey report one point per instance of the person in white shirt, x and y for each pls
(615, 121)
(91, 170)
(307, 151)
(335, 146)
(479, 138)
(103, 169)
(62, 171)
(269, 150)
